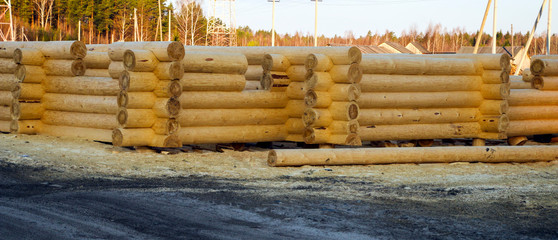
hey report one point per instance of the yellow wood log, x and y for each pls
(318, 62)
(168, 88)
(545, 83)
(319, 81)
(495, 91)
(28, 56)
(5, 126)
(82, 85)
(97, 48)
(367, 156)
(164, 51)
(517, 141)
(7, 66)
(295, 126)
(532, 127)
(345, 92)
(139, 60)
(103, 135)
(166, 126)
(519, 84)
(494, 107)
(80, 103)
(346, 73)
(323, 136)
(212, 82)
(25, 127)
(115, 69)
(233, 100)
(419, 83)
(7, 82)
(212, 62)
(167, 107)
(296, 90)
(79, 119)
(382, 116)
(254, 72)
(415, 65)
(5, 113)
(344, 111)
(54, 49)
(135, 118)
(533, 112)
(295, 108)
(275, 81)
(28, 91)
(97, 60)
(169, 70)
(420, 100)
(498, 123)
(64, 67)
(317, 117)
(344, 127)
(137, 81)
(136, 100)
(297, 73)
(317, 99)
(97, 72)
(419, 131)
(143, 137)
(275, 62)
(544, 67)
(527, 76)
(232, 134)
(29, 74)
(500, 61)
(231, 117)
(26, 110)
(6, 98)
(532, 97)
(495, 76)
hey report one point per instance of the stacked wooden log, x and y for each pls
(148, 105)
(410, 97)
(7, 83)
(534, 111)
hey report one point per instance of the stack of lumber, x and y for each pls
(534, 111)
(331, 92)
(148, 104)
(412, 97)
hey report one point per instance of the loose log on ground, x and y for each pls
(211, 62)
(420, 100)
(169, 70)
(233, 100)
(79, 119)
(346, 73)
(28, 91)
(532, 127)
(231, 117)
(137, 81)
(164, 51)
(532, 97)
(136, 100)
(419, 83)
(7, 66)
(139, 60)
(388, 116)
(275, 62)
(212, 82)
(533, 112)
(29, 74)
(25, 126)
(136, 118)
(103, 135)
(363, 156)
(115, 69)
(64, 67)
(97, 60)
(28, 56)
(81, 85)
(232, 134)
(419, 131)
(80, 103)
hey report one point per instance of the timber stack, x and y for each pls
(149, 88)
(7, 83)
(411, 97)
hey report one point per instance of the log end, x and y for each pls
(129, 60)
(124, 80)
(18, 56)
(425, 142)
(176, 70)
(267, 62)
(117, 137)
(505, 63)
(353, 111)
(355, 73)
(175, 89)
(173, 107)
(15, 110)
(310, 98)
(172, 126)
(172, 141)
(503, 123)
(505, 77)
(20, 73)
(537, 67)
(311, 62)
(78, 50)
(78, 67)
(505, 90)
(309, 117)
(517, 141)
(354, 92)
(272, 158)
(355, 55)
(176, 51)
(537, 82)
(16, 91)
(266, 81)
(353, 140)
(14, 127)
(122, 99)
(309, 135)
(122, 117)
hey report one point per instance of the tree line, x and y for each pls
(106, 21)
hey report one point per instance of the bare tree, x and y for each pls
(44, 9)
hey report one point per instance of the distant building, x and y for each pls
(417, 48)
(393, 47)
(516, 53)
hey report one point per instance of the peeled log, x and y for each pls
(295, 108)
(498, 123)
(296, 90)
(167, 89)
(26, 111)
(97, 73)
(103, 135)
(29, 56)
(164, 51)
(7, 66)
(5, 113)
(78, 119)
(420, 100)
(212, 82)
(494, 107)
(545, 83)
(544, 67)
(415, 65)
(419, 131)
(64, 67)
(169, 71)
(166, 107)
(211, 62)
(29, 74)
(232, 134)
(25, 127)
(520, 84)
(298, 73)
(275, 81)
(532, 127)
(316, 117)
(97, 48)
(5, 126)
(54, 49)
(254, 73)
(315, 99)
(499, 61)
(319, 81)
(318, 62)
(495, 91)
(143, 137)
(97, 60)
(344, 127)
(231, 117)
(495, 76)
(81, 85)
(80, 103)
(533, 112)
(532, 97)
(136, 100)
(252, 85)
(135, 118)
(137, 81)
(527, 76)
(233, 100)
(28, 91)
(165, 126)
(295, 125)
(417, 116)
(346, 73)
(323, 136)
(7, 82)
(366, 156)
(139, 60)
(275, 62)
(115, 69)
(6, 98)
(419, 83)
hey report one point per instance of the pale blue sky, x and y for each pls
(338, 16)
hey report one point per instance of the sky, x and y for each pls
(360, 16)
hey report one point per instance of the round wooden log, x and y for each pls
(545, 83)
(544, 67)
(80, 103)
(275, 62)
(420, 100)
(64, 67)
(166, 126)
(316, 117)
(319, 81)
(28, 56)
(296, 90)
(28, 91)
(137, 81)
(136, 100)
(295, 108)
(532, 127)
(367, 156)
(103, 135)
(7, 66)
(499, 123)
(5, 113)
(136, 118)
(25, 127)
(97, 48)
(495, 76)
(425, 142)
(7, 82)
(97, 60)
(164, 51)
(346, 73)
(533, 112)
(527, 76)
(419, 131)
(369, 117)
(419, 83)
(295, 126)
(253, 73)
(515, 84)
(317, 99)
(321, 136)
(517, 141)
(494, 107)
(212, 62)
(169, 71)
(139, 60)
(404, 65)
(115, 69)
(231, 117)
(344, 111)
(232, 134)
(54, 49)
(97, 73)
(29, 74)
(5, 126)
(298, 73)
(82, 85)
(275, 81)
(212, 82)
(532, 97)
(500, 61)
(253, 85)
(318, 62)
(294, 137)
(345, 92)
(78, 119)
(143, 137)
(26, 111)
(233, 100)
(495, 91)
(167, 88)
(167, 107)
(6, 98)
(344, 127)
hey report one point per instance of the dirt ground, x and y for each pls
(59, 188)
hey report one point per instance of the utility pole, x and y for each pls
(159, 23)
(479, 37)
(316, 23)
(530, 39)
(273, 22)
(494, 34)
(548, 32)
